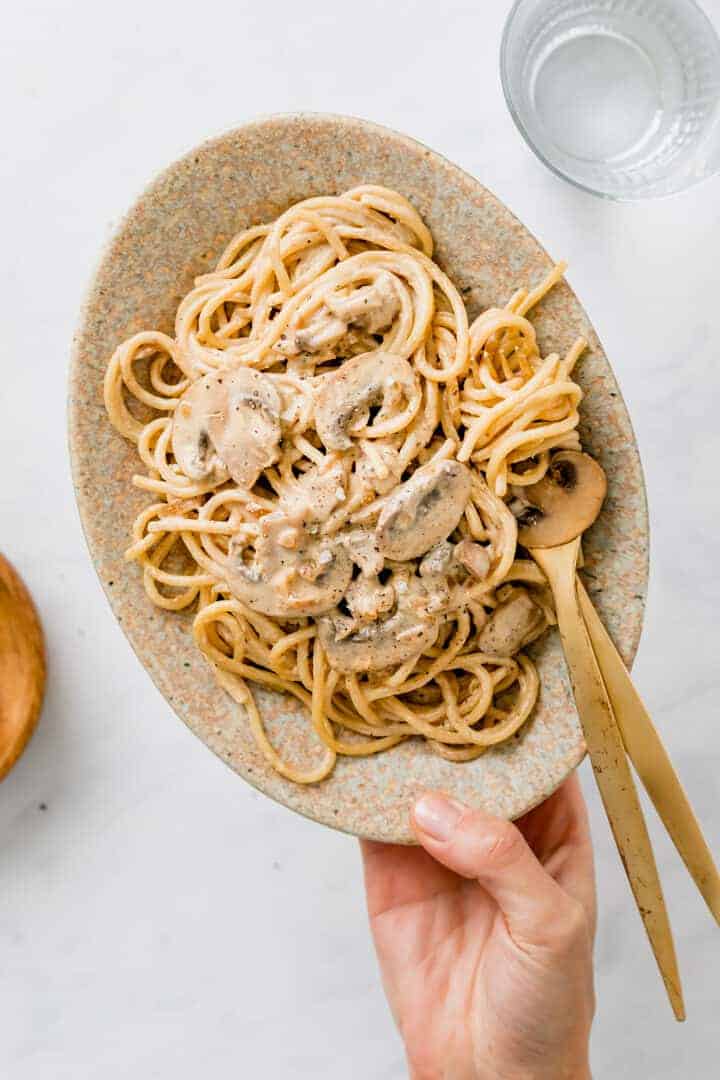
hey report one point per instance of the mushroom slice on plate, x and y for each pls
(563, 504)
(318, 337)
(356, 646)
(292, 574)
(345, 396)
(514, 623)
(439, 559)
(371, 307)
(474, 557)
(424, 510)
(466, 557)
(227, 423)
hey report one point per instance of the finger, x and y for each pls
(396, 875)
(558, 832)
(556, 821)
(577, 872)
(494, 852)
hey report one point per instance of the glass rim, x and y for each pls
(555, 169)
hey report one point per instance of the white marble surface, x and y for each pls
(157, 917)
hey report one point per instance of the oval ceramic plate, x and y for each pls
(175, 231)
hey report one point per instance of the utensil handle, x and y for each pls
(614, 779)
(650, 758)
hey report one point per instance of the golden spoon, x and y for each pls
(578, 473)
(22, 667)
(552, 513)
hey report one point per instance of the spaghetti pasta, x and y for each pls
(332, 451)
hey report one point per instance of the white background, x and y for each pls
(159, 919)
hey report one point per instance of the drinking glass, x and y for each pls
(621, 97)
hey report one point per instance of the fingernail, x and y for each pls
(437, 816)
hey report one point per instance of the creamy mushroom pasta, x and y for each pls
(335, 456)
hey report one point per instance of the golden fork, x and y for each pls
(610, 765)
(552, 516)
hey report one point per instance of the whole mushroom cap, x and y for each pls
(564, 503)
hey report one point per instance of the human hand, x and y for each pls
(484, 936)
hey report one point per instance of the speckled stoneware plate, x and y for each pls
(176, 230)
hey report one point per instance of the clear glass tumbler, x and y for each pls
(621, 97)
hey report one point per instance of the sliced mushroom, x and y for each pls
(321, 333)
(448, 572)
(424, 510)
(438, 560)
(292, 574)
(563, 504)
(474, 557)
(385, 642)
(426, 596)
(514, 623)
(345, 396)
(372, 307)
(227, 422)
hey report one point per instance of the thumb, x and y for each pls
(494, 852)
